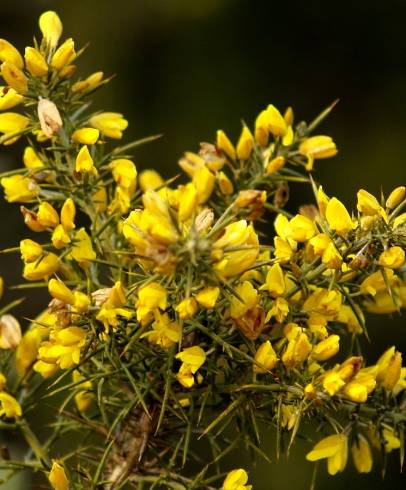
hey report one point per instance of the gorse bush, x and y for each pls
(191, 309)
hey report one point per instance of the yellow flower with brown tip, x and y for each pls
(14, 77)
(51, 28)
(9, 98)
(57, 477)
(91, 82)
(317, 147)
(111, 124)
(35, 63)
(225, 145)
(334, 449)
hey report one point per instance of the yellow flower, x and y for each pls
(249, 297)
(64, 55)
(82, 249)
(338, 217)
(124, 173)
(31, 159)
(297, 350)
(86, 136)
(245, 144)
(30, 250)
(266, 357)
(334, 449)
(84, 162)
(10, 332)
(208, 296)
(51, 28)
(389, 368)
(194, 357)
(323, 302)
(42, 268)
(275, 165)
(58, 290)
(396, 197)
(275, 122)
(225, 145)
(326, 348)
(57, 477)
(187, 308)
(60, 238)
(317, 147)
(301, 228)
(241, 236)
(150, 180)
(111, 124)
(151, 297)
(362, 455)
(367, 203)
(9, 406)
(35, 63)
(9, 53)
(204, 182)
(236, 480)
(164, 332)
(91, 82)
(275, 281)
(279, 310)
(377, 282)
(261, 128)
(9, 98)
(83, 398)
(332, 382)
(68, 213)
(393, 257)
(12, 125)
(47, 216)
(14, 77)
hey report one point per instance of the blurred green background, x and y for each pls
(187, 68)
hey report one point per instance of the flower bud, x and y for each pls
(317, 147)
(10, 332)
(57, 477)
(226, 186)
(9, 53)
(64, 55)
(245, 144)
(150, 180)
(89, 83)
(30, 250)
(326, 348)
(225, 145)
(393, 257)
(361, 455)
(31, 159)
(111, 124)
(47, 215)
(49, 117)
(275, 165)
(86, 136)
(51, 28)
(396, 197)
(58, 290)
(204, 221)
(338, 217)
(208, 296)
(266, 357)
(14, 77)
(35, 63)
(389, 368)
(68, 213)
(84, 162)
(9, 98)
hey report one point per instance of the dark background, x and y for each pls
(188, 67)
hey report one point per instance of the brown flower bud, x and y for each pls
(49, 117)
(204, 220)
(252, 199)
(100, 296)
(10, 332)
(281, 196)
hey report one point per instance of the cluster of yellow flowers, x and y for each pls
(166, 306)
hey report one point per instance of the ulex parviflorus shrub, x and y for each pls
(170, 318)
